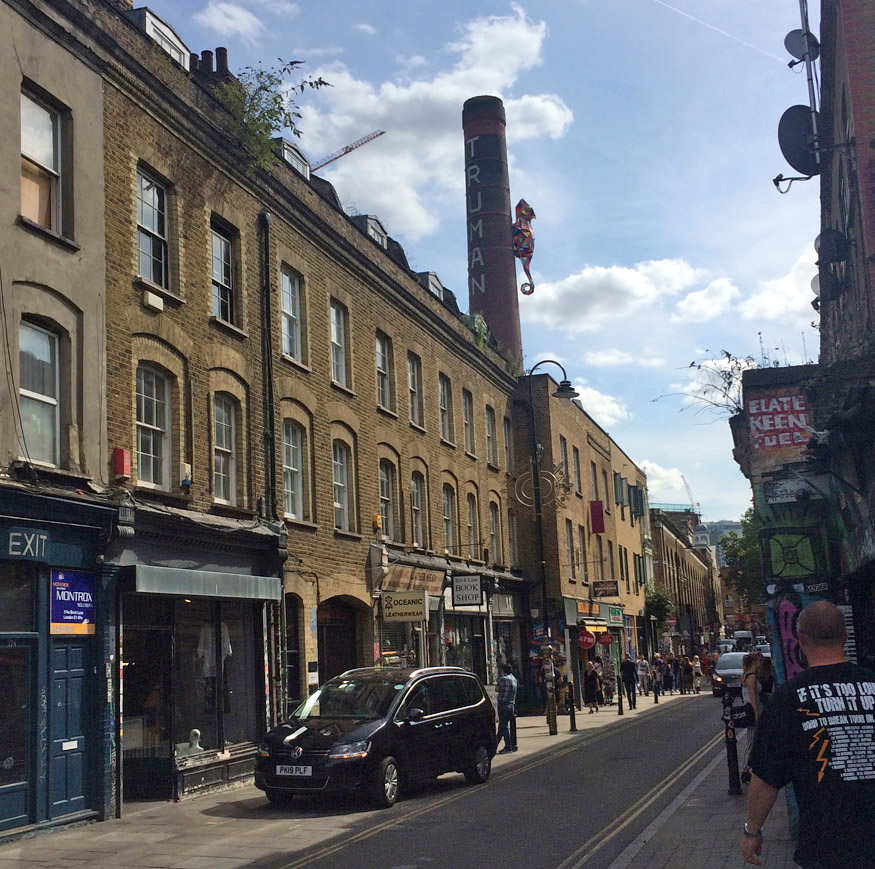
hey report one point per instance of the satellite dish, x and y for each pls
(796, 44)
(815, 284)
(832, 246)
(796, 138)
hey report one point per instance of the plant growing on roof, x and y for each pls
(261, 102)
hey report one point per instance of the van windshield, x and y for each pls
(351, 698)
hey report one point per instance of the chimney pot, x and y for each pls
(194, 61)
(221, 59)
(207, 61)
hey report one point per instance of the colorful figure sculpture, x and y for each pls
(524, 242)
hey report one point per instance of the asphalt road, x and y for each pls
(577, 805)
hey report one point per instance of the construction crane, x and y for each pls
(694, 504)
(319, 164)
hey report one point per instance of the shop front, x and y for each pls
(52, 750)
(198, 651)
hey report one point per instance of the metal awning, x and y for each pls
(206, 583)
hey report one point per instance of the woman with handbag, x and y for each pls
(750, 696)
(592, 685)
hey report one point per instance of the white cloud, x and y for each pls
(310, 53)
(230, 20)
(786, 298)
(417, 166)
(541, 357)
(596, 295)
(278, 7)
(604, 409)
(365, 28)
(410, 62)
(714, 385)
(614, 357)
(664, 485)
(708, 304)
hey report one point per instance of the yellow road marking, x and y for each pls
(597, 842)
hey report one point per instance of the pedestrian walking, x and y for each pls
(628, 672)
(592, 687)
(506, 700)
(697, 674)
(687, 674)
(812, 734)
(643, 676)
(667, 676)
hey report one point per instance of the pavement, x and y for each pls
(699, 829)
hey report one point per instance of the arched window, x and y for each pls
(153, 428)
(388, 499)
(225, 448)
(417, 503)
(495, 547)
(342, 461)
(472, 523)
(449, 513)
(293, 469)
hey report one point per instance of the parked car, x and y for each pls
(725, 646)
(727, 673)
(378, 730)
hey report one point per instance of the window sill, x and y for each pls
(386, 411)
(347, 535)
(47, 234)
(152, 287)
(341, 388)
(162, 496)
(447, 443)
(492, 466)
(231, 511)
(27, 469)
(471, 455)
(455, 559)
(296, 362)
(420, 428)
(230, 328)
(579, 494)
(303, 524)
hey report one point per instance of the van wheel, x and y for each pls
(278, 797)
(478, 772)
(385, 783)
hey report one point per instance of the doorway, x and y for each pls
(337, 637)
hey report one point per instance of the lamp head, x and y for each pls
(565, 390)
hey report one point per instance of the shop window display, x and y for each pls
(17, 585)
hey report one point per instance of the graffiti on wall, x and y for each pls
(778, 420)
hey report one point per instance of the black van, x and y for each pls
(378, 730)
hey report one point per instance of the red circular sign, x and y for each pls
(585, 640)
(606, 639)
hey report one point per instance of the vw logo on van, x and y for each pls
(297, 751)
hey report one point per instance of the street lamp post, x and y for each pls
(565, 390)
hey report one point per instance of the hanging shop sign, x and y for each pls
(606, 588)
(467, 590)
(606, 639)
(405, 606)
(72, 602)
(585, 640)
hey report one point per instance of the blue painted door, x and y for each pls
(68, 728)
(16, 735)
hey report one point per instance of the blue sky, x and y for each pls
(642, 132)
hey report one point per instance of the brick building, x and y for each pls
(804, 435)
(247, 424)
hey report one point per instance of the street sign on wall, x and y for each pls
(606, 588)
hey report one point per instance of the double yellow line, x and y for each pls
(596, 843)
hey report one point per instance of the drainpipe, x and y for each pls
(266, 220)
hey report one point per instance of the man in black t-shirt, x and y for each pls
(818, 733)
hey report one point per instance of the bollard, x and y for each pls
(569, 705)
(620, 697)
(513, 732)
(729, 736)
(551, 710)
(655, 692)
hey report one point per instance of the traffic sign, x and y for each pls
(606, 638)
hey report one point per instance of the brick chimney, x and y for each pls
(492, 286)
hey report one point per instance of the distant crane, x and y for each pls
(319, 164)
(694, 504)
